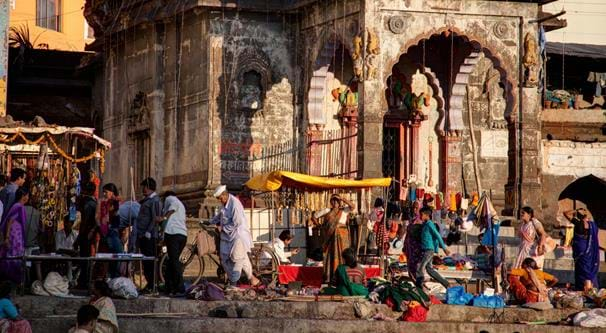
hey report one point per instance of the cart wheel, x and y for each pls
(265, 263)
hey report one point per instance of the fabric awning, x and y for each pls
(274, 180)
(56, 130)
(577, 50)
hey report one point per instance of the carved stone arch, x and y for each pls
(319, 64)
(247, 60)
(507, 67)
(329, 38)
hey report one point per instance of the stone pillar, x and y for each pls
(414, 137)
(215, 75)
(314, 158)
(157, 99)
(530, 131)
(370, 145)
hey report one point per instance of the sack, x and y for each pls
(206, 243)
(457, 296)
(492, 302)
(123, 287)
(206, 291)
(53, 285)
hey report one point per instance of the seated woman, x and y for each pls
(529, 284)
(350, 278)
(10, 320)
(108, 320)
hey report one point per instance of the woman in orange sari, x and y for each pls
(337, 234)
(529, 284)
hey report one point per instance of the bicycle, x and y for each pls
(263, 259)
(190, 256)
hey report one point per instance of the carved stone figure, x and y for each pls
(138, 116)
(531, 61)
(496, 116)
(356, 56)
(372, 52)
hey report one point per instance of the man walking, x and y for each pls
(150, 214)
(7, 195)
(175, 237)
(236, 240)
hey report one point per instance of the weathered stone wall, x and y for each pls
(253, 97)
(563, 163)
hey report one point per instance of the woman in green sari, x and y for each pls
(350, 278)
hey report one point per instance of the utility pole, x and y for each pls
(4, 17)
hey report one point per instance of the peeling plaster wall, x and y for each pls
(261, 44)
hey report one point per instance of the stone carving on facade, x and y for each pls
(253, 76)
(501, 30)
(397, 24)
(372, 55)
(421, 95)
(356, 56)
(531, 61)
(497, 103)
(139, 117)
(250, 92)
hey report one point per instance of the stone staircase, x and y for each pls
(48, 314)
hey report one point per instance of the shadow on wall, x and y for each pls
(587, 191)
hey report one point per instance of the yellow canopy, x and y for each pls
(274, 180)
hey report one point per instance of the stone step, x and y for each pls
(225, 325)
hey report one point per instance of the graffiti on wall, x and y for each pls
(236, 160)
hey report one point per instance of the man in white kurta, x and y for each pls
(236, 239)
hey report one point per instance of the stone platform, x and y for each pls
(178, 315)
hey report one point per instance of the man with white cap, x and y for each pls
(236, 240)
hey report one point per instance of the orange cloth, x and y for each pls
(525, 279)
(453, 202)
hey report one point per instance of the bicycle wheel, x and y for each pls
(193, 265)
(265, 263)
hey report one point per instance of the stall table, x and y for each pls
(90, 260)
(477, 276)
(312, 275)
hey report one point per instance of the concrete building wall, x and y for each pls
(584, 19)
(73, 34)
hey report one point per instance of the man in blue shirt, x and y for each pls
(7, 195)
(431, 241)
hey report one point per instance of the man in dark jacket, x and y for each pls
(88, 223)
(150, 214)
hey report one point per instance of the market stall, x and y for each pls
(53, 157)
(307, 198)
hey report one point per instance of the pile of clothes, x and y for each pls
(402, 296)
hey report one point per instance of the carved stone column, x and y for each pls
(370, 145)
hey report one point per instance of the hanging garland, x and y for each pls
(99, 152)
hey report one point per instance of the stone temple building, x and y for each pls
(437, 94)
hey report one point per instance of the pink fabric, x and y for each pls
(12, 269)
